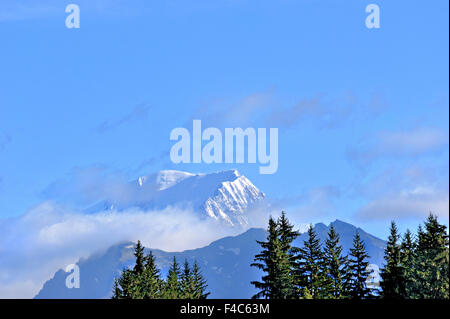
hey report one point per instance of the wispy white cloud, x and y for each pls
(323, 112)
(265, 109)
(87, 185)
(415, 203)
(411, 142)
(244, 111)
(138, 113)
(310, 206)
(405, 193)
(389, 144)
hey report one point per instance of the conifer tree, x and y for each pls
(431, 266)
(144, 281)
(199, 283)
(140, 258)
(335, 266)
(358, 270)
(117, 292)
(151, 279)
(287, 233)
(310, 267)
(283, 283)
(407, 253)
(287, 262)
(392, 280)
(173, 287)
(128, 285)
(187, 282)
(266, 261)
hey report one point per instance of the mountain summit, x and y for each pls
(224, 196)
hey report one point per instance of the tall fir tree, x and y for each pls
(130, 285)
(151, 278)
(127, 285)
(288, 256)
(358, 271)
(172, 289)
(117, 292)
(431, 266)
(392, 274)
(287, 234)
(264, 261)
(335, 266)
(309, 268)
(131, 281)
(199, 283)
(407, 253)
(269, 261)
(187, 282)
(139, 255)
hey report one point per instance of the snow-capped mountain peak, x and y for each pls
(225, 196)
(232, 198)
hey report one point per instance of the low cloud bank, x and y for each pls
(49, 237)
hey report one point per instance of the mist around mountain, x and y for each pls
(225, 263)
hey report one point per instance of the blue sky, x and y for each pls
(363, 113)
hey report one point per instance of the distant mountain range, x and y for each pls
(225, 263)
(224, 196)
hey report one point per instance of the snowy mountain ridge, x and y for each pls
(224, 196)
